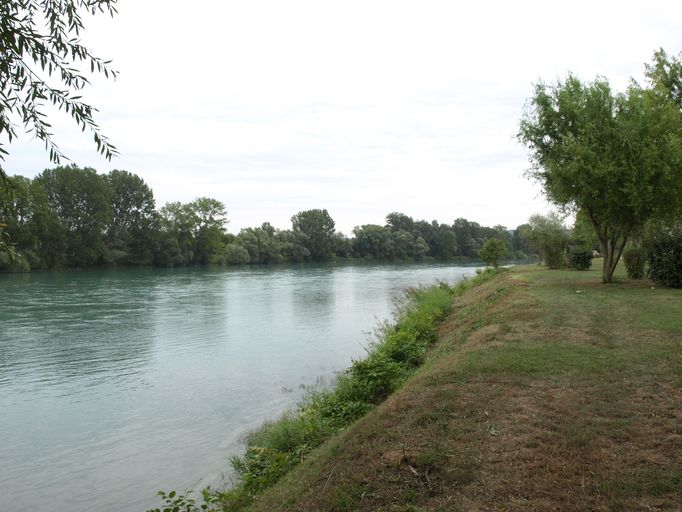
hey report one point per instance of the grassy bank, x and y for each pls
(545, 390)
(275, 449)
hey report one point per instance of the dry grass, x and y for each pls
(535, 398)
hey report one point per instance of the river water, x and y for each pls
(116, 384)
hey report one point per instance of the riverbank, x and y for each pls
(546, 390)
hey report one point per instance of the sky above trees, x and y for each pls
(358, 107)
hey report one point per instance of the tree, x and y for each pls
(618, 157)
(315, 231)
(133, 217)
(210, 218)
(492, 251)
(548, 235)
(40, 39)
(80, 200)
(198, 227)
(374, 242)
(400, 221)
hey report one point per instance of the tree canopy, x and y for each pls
(615, 156)
(70, 216)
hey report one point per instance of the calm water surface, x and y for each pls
(116, 384)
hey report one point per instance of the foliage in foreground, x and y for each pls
(42, 65)
(278, 447)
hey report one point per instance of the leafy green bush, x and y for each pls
(635, 260)
(555, 257)
(665, 257)
(580, 258)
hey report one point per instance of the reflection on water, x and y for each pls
(115, 384)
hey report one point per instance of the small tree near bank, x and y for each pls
(616, 157)
(492, 251)
(548, 235)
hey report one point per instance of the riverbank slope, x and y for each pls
(546, 390)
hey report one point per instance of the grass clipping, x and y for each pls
(277, 447)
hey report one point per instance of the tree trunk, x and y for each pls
(607, 254)
(613, 249)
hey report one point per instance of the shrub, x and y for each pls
(554, 256)
(492, 250)
(580, 258)
(634, 258)
(665, 257)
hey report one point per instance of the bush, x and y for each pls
(665, 257)
(634, 258)
(580, 258)
(554, 256)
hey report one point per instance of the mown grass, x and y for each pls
(546, 390)
(278, 447)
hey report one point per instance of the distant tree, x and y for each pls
(235, 254)
(209, 217)
(616, 157)
(261, 243)
(343, 246)
(132, 224)
(177, 222)
(464, 231)
(400, 221)
(373, 242)
(80, 199)
(314, 230)
(521, 239)
(407, 246)
(492, 251)
(549, 237)
(290, 248)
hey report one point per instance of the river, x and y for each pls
(116, 384)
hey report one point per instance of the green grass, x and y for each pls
(527, 389)
(560, 359)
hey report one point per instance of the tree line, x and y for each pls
(72, 217)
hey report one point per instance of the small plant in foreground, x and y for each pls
(174, 502)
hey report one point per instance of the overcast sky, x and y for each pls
(359, 107)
